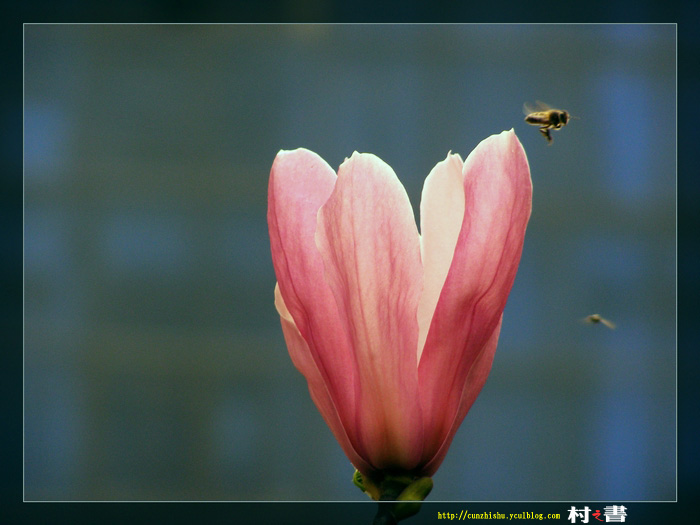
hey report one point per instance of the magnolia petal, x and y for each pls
(476, 378)
(369, 243)
(441, 216)
(498, 198)
(304, 362)
(300, 182)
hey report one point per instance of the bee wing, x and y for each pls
(607, 323)
(535, 108)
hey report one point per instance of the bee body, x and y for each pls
(546, 118)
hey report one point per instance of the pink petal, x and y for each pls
(303, 360)
(441, 213)
(475, 380)
(300, 182)
(370, 247)
(498, 195)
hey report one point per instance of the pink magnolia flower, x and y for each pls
(395, 331)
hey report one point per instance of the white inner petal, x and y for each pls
(441, 216)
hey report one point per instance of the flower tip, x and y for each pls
(354, 155)
(512, 135)
(288, 151)
(507, 133)
(506, 138)
(284, 154)
(451, 155)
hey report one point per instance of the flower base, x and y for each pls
(399, 496)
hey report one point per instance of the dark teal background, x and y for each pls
(155, 367)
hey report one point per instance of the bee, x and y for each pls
(596, 318)
(546, 118)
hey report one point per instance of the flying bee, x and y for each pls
(596, 318)
(546, 118)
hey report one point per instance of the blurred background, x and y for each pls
(154, 362)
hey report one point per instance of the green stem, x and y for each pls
(384, 515)
(405, 495)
